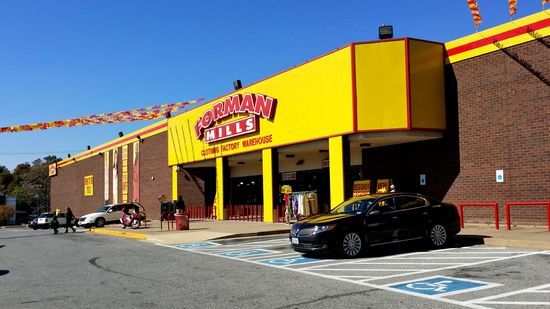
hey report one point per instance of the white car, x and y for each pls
(43, 221)
(108, 214)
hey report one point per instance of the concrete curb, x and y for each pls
(515, 243)
(119, 234)
(264, 233)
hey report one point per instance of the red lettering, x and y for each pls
(231, 105)
(264, 106)
(207, 118)
(218, 111)
(198, 129)
(247, 105)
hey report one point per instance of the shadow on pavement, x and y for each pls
(405, 247)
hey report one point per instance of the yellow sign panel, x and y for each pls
(361, 187)
(89, 185)
(52, 169)
(125, 174)
(309, 102)
(383, 185)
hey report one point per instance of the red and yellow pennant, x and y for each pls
(146, 113)
(513, 6)
(474, 9)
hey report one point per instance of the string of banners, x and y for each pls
(512, 9)
(146, 113)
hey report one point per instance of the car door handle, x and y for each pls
(395, 218)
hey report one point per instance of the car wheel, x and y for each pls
(351, 245)
(438, 235)
(135, 224)
(35, 228)
(100, 222)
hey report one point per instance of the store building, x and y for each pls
(465, 121)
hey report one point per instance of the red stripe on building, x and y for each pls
(499, 37)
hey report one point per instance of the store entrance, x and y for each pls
(317, 181)
(246, 190)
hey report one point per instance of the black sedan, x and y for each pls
(374, 220)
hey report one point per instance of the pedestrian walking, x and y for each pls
(55, 223)
(69, 220)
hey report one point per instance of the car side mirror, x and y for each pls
(374, 212)
(110, 210)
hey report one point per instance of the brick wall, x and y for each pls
(67, 188)
(197, 186)
(498, 111)
(155, 174)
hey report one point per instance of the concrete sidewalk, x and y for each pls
(204, 230)
(199, 230)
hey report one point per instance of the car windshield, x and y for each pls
(354, 206)
(103, 209)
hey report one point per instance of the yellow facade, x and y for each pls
(381, 81)
(267, 171)
(313, 101)
(426, 85)
(363, 87)
(337, 181)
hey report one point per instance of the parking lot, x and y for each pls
(473, 276)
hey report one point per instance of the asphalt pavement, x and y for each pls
(532, 237)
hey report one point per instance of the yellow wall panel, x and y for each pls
(313, 101)
(381, 85)
(267, 171)
(337, 182)
(427, 86)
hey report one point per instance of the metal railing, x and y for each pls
(461, 211)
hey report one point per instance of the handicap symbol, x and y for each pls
(440, 286)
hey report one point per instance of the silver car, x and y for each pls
(107, 214)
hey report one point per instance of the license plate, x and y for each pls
(294, 240)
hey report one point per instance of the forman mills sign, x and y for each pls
(253, 104)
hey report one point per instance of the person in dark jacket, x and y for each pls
(180, 205)
(69, 220)
(55, 223)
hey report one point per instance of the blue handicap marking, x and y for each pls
(196, 245)
(440, 285)
(284, 261)
(245, 253)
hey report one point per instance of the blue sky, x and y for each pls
(65, 59)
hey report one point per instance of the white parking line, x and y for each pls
(369, 269)
(443, 258)
(223, 248)
(481, 252)
(273, 256)
(406, 263)
(488, 260)
(367, 280)
(493, 299)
